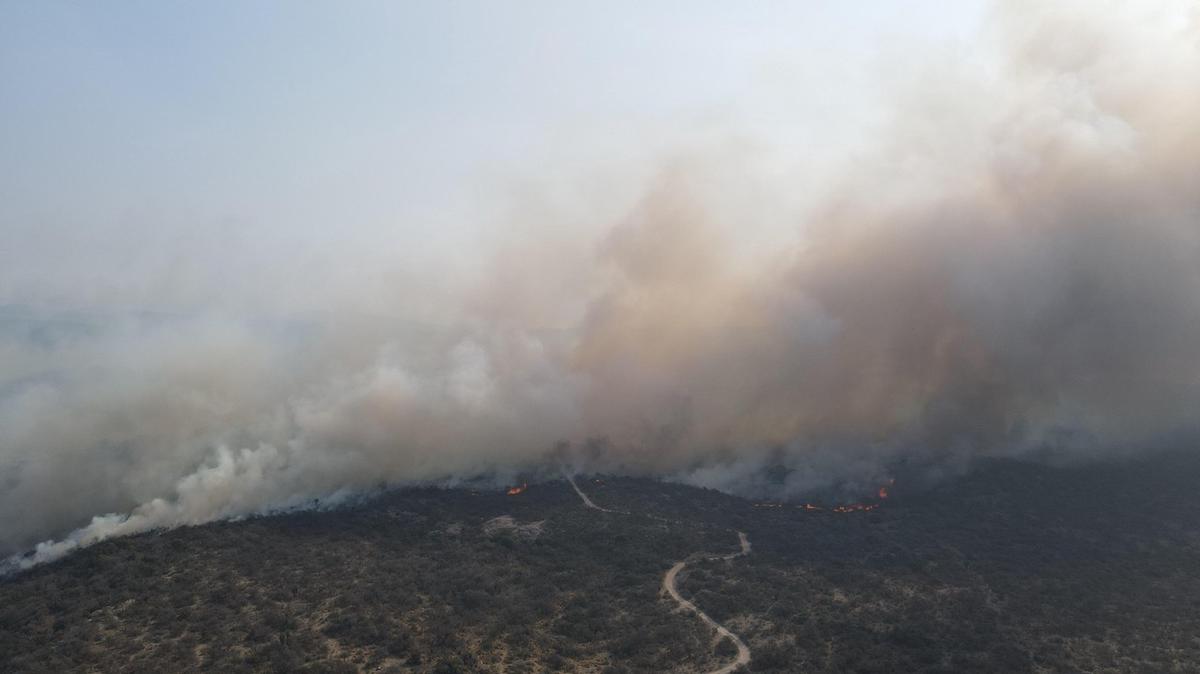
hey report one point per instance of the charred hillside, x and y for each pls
(1014, 567)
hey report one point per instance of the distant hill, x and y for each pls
(1014, 568)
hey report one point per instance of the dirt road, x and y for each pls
(668, 583)
(589, 502)
(743, 651)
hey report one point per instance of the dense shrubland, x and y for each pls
(1012, 568)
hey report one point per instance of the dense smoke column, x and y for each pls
(1014, 269)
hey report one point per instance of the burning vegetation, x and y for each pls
(862, 506)
(513, 491)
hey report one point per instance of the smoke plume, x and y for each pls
(1014, 268)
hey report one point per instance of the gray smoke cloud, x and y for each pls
(1015, 269)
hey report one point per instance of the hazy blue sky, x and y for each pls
(256, 125)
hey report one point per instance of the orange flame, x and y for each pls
(513, 491)
(882, 493)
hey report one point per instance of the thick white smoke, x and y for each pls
(1015, 268)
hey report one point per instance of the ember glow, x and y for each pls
(883, 490)
(513, 491)
(855, 507)
(860, 507)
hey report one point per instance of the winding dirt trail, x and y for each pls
(743, 655)
(589, 502)
(668, 583)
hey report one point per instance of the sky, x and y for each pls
(253, 255)
(137, 132)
